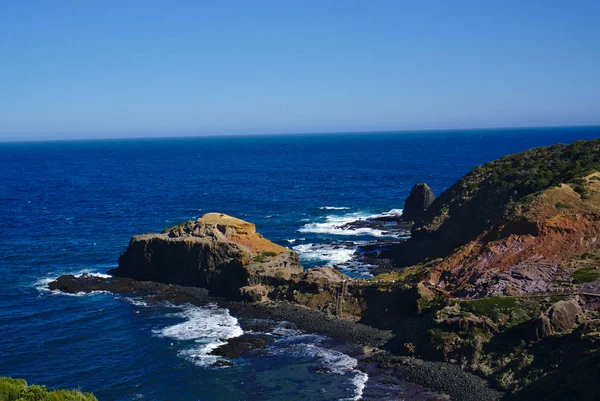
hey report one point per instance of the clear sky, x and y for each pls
(108, 68)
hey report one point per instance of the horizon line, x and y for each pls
(279, 134)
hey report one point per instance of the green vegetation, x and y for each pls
(18, 390)
(500, 191)
(511, 311)
(540, 168)
(563, 205)
(585, 275)
(263, 256)
(490, 306)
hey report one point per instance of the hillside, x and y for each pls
(513, 226)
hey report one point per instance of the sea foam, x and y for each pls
(335, 225)
(330, 254)
(306, 345)
(206, 326)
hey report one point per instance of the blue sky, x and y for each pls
(145, 68)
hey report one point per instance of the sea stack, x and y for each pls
(419, 199)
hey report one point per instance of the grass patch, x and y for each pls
(585, 275)
(563, 205)
(263, 256)
(491, 306)
(555, 298)
(18, 390)
(588, 255)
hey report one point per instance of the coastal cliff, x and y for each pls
(218, 252)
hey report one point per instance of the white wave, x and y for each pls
(335, 225)
(207, 326)
(329, 254)
(359, 381)
(334, 208)
(99, 275)
(335, 362)
(291, 241)
(393, 212)
(42, 284)
(136, 302)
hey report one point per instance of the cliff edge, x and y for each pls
(218, 252)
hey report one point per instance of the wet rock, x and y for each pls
(221, 363)
(239, 345)
(321, 369)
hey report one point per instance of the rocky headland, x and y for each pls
(500, 277)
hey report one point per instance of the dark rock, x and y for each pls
(221, 363)
(420, 198)
(239, 345)
(391, 225)
(321, 369)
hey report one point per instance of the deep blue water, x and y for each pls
(69, 207)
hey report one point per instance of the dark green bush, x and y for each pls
(585, 275)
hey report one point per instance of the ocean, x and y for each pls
(71, 207)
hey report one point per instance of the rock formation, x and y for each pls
(419, 199)
(217, 251)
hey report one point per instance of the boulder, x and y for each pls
(419, 199)
(217, 252)
(563, 315)
(319, 279)
(254, 293)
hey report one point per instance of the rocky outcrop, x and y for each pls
(217, 252)
(419, 199)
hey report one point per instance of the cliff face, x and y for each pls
(511, 226)
(218, 252)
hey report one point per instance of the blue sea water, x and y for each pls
(71, 207)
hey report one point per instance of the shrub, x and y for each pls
(491, 306)
(563, 205)
(17, 390)
(585, 275)
(263, 256)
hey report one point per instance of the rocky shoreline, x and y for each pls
(429, 381)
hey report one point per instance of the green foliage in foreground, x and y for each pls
(585, 275)
(18, 390)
